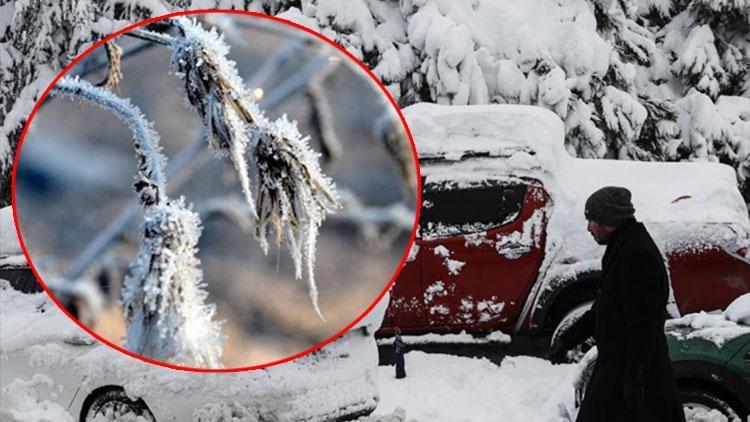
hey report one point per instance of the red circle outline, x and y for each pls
(237, 12)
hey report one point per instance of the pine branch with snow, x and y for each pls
(698, 62)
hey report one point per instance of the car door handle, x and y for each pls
(515, 247)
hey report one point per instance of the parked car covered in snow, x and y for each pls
(502, 241)
(51, 369)
(710, 355)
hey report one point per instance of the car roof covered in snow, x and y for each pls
(452, 132)
(530, 142)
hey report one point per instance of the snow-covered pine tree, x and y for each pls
(634, 46)
(163, 297)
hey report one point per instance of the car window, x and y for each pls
(450, 208)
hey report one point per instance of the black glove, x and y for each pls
(635, 397)
(558, 353)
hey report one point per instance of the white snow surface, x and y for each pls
(461, 338)
(339, 376)
(530, 141)
(9, 244)
(21, 402)
(451, 388)
(739, 310)
(18, 330)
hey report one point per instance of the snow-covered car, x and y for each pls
(502, 241)
(710, 354)
(51, 369)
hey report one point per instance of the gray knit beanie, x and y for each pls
(610, 206)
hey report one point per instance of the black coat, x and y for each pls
(627, 323)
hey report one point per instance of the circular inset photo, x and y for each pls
(216, 191)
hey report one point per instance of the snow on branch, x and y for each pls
(293, 195)
(164, 295)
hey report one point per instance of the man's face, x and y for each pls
(599, 232)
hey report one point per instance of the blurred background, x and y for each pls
(80, 221)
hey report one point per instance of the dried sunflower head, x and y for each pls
(214, 89)
(294, 196)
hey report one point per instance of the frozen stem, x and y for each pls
(114, 73)
(150, 184)
(163, 296)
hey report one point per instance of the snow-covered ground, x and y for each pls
(451, 388)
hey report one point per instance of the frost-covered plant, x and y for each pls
(164, 296)
(293, 195)
(216, 92)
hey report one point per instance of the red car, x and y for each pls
(502, 242)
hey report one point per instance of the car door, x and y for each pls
(481, 246)
(405, 309)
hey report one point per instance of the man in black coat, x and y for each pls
(632, 379)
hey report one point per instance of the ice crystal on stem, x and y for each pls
(163, 297)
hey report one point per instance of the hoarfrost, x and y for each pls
(216, 92)
(151, 186)
(163, 297)
(293, 195)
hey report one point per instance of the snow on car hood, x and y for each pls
(28, 319)
(713, 327)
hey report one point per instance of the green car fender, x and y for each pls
(698, 361)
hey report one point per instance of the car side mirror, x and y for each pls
(79, 341)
